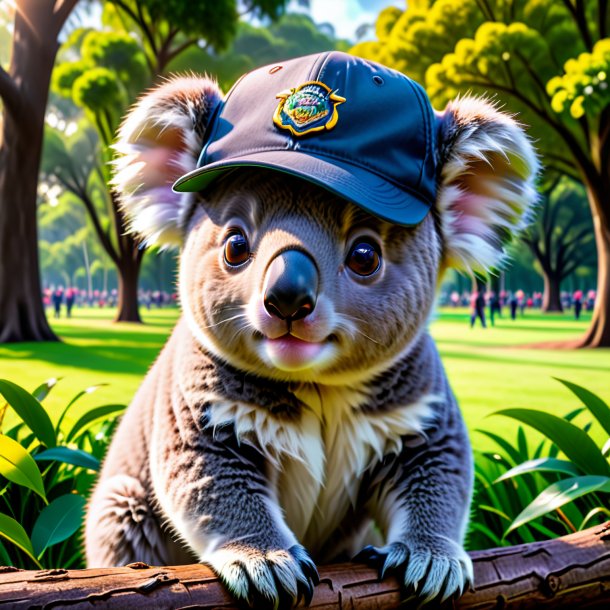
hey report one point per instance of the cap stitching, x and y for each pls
(425, 121)
(315, 71)
(216, 123)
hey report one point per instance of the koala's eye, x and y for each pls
(364, 258)
(237, 250)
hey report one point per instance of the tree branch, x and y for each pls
(82, 194)
(578, 13)
(10, 94)
(139, 20)
(180, 48)
(542, 89)
(61, 11)
(602, 16)
(580, 156)
(568, 572)
(486, 10)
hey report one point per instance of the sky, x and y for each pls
(346, 15)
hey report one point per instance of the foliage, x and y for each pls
(583, 88)
(561, 238)
(46, 473)
(290, 36)
(167, 28)
(532, 55)
(107, 75)
(525, 494)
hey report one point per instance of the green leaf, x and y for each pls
(594, 403)
(30, 411)
(522, 444)
(88, 390)
(57, 521)
(510, 451)
(485, 531)
(76, 457)
(13, 532)
(495, 511)
(89, 417)
(545, 531)
(42, 391)
(575, 444)
(541, 465)
(5, 560)
(600, 510)
(17, 465)
(557, 495)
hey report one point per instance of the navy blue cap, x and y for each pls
(352, 126)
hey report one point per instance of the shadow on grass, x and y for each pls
(128, 359)
(447, 354)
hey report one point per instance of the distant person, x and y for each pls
(70, 298)
(514, 303)
(57, 298)
(477, 306)
(494, 307)
(577, 300)
(521, 301)
(46, 298)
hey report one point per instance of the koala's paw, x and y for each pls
(431, 568)
(266, 579)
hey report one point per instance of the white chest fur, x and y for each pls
(318, 459)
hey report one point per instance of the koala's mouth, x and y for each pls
(289, 353)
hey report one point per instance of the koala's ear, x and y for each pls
(161, 139)
(487, 183)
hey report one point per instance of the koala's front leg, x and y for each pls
(421, 499)
(215, 494)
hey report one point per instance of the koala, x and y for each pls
(300, 413)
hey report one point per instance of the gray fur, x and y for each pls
(254, 468)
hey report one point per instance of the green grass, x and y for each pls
(488, 369)
(94, 350)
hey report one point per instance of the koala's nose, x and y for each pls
(291, 286)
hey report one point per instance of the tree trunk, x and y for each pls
(22, 315)
(598, 333)
(551, 300)
(568, 572)
(129, 272)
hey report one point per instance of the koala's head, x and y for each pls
(282, 276)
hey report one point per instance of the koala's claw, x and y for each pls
(309, 570)
(435, 569)
(275, 580)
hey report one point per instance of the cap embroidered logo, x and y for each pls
(309, 107)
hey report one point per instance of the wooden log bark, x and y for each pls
(569, 572)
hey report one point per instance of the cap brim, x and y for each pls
(363, 188)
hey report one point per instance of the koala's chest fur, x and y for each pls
(317, 459)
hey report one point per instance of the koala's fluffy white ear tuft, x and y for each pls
(161, 139)
(487, 182)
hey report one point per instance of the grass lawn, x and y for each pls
(487, 367)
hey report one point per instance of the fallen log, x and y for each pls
(568, 572)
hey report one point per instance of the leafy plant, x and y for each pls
(46, 474)
(562, 485)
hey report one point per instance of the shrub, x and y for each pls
(46, 474)
(525, 493)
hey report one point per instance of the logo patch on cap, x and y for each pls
(309, 107)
